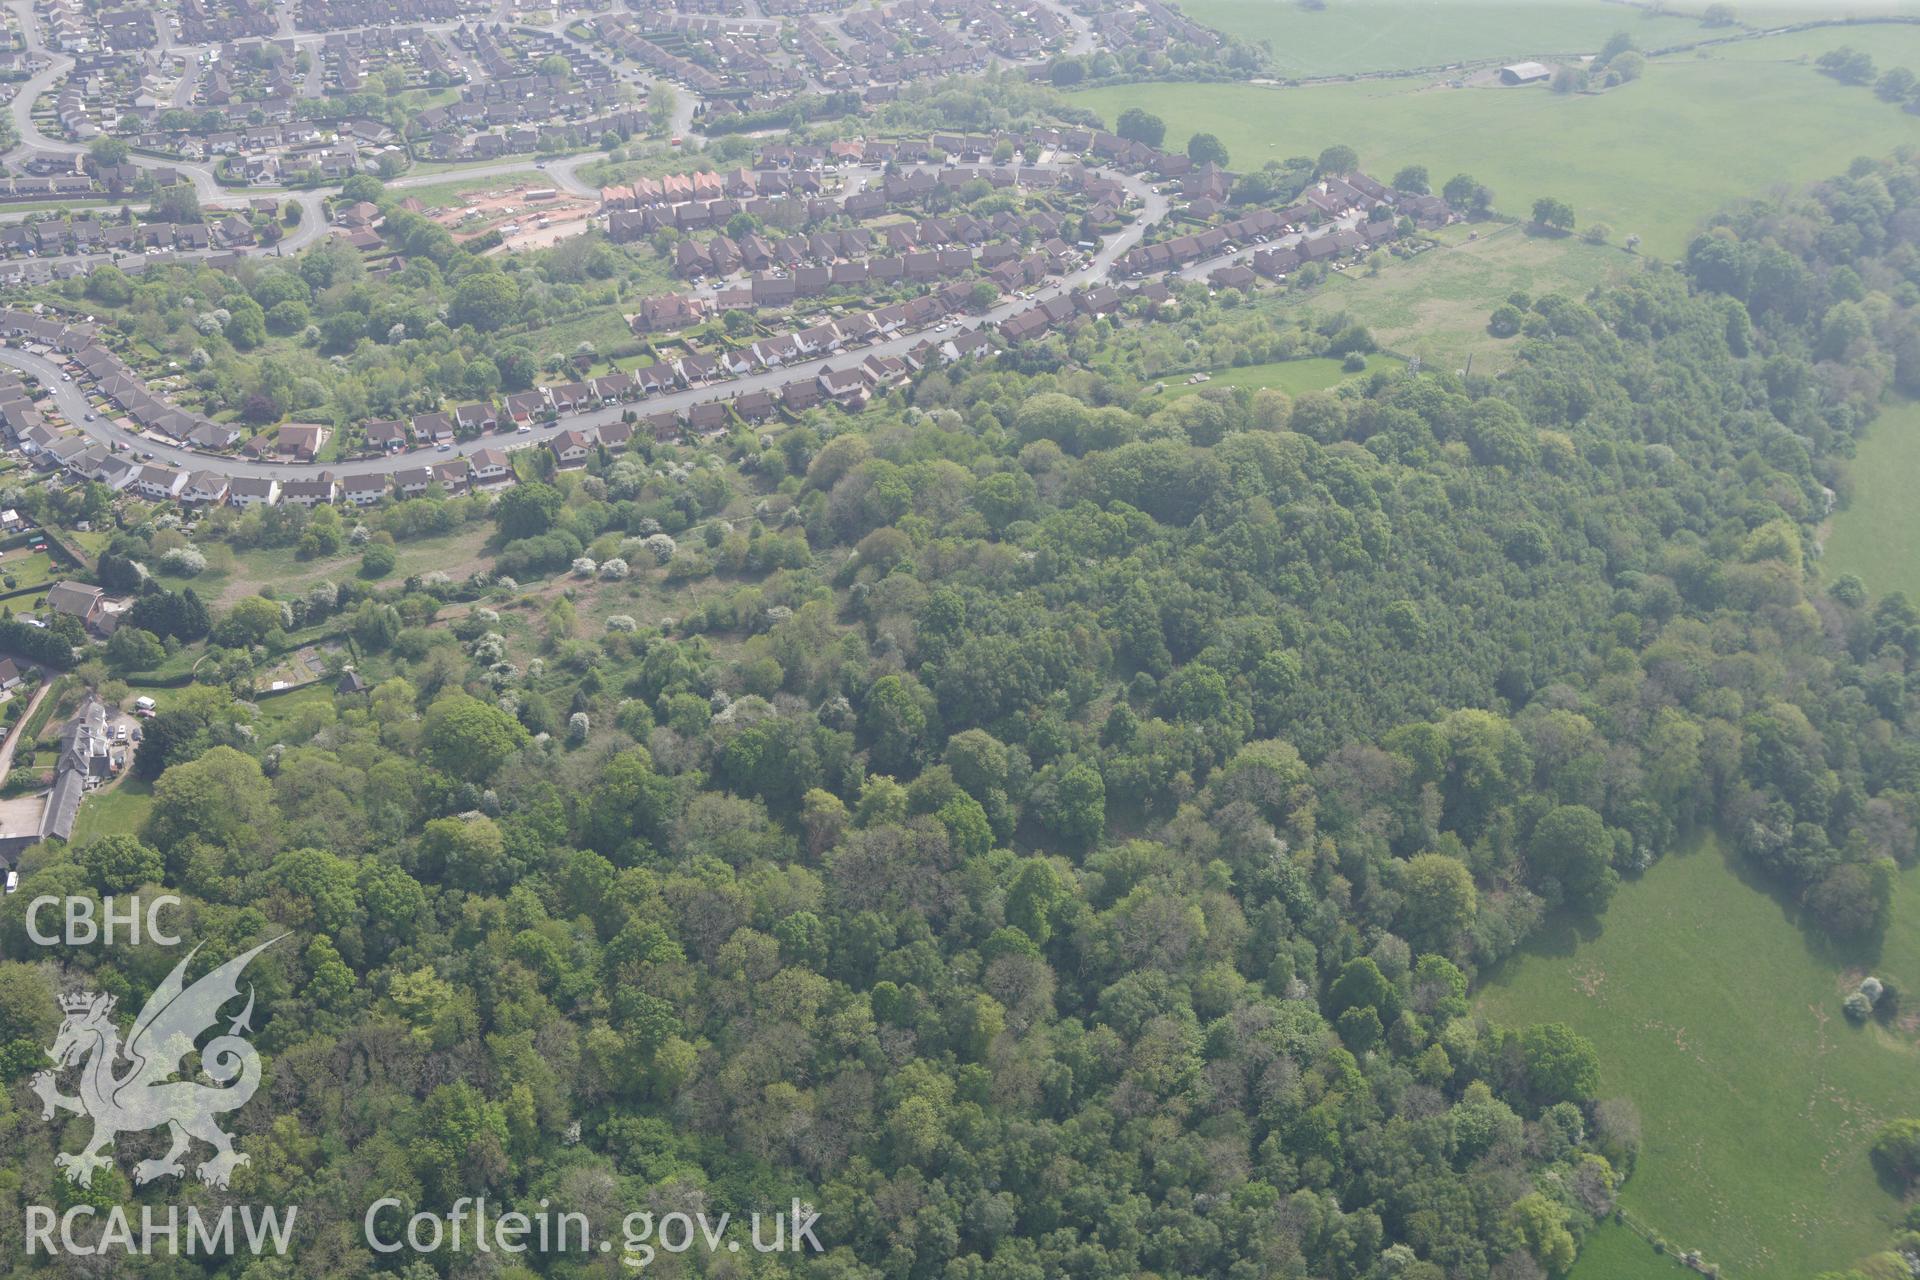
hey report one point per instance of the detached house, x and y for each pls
(363, 490)
(490, 468)
(473, 419)
(387, 435)
(412, 482)
(309, 493)
(253, 491)
(77, 600)
(159, 484)
(205, 487)
(301, 441)
(845, 387)
(571, 448)
(432, 428)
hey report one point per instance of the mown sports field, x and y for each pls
(1727, 128)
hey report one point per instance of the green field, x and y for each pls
(282, 570)
(444, 195)
(118, 812)
(1728, 129)
(1435, 306)
(1356, 37)
(1713, 1013)
(1614, 1252)
(1290, 376)
(1878, 535)
(1892, 45)
(27, 568)
(1370, 37)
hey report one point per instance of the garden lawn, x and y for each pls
(1715, 1014)
(1356, 37)
(1653, 158)
(27, 568)
(279, 710)
(1878, 534)
(118, 812)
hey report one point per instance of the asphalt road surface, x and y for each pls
(74, 406)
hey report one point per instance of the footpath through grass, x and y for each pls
(1653, 158)
(1878, 535)
(1716, 1015)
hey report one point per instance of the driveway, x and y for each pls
(13, 738)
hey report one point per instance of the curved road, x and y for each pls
(564, 172)
(74, 405)
(207, 187)
(313, 223)
(58, 64)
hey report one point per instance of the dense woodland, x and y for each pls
(1058, 834)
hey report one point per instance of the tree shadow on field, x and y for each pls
(1823, 948)
(1559, 933)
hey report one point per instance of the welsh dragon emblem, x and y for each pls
(144, 1096)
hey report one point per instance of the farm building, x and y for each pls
(1525, 73)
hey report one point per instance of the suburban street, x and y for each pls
(74, 405)
(1153, 208)
(312, 201)
(313, 225)
(1150, 210)
(58, 64)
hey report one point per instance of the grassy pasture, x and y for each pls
(1290, 376)
(1727, 129)
(1371, 37)
(1878, 535)
(1436, 305)
(1358, 37)
(251, 571)
(1892, 45)
(1718, 1017)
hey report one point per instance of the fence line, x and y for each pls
(1687, 1259)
